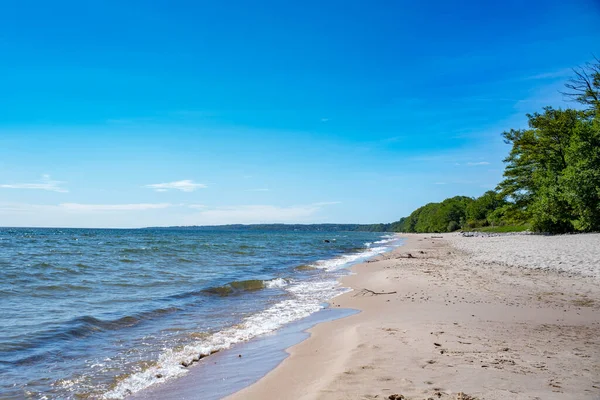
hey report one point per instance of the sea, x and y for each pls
(104, 314)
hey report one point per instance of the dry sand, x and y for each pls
(483, 317)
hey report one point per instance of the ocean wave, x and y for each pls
(276, 283)
(346, 260)
(239, 287)
(78, 328)
(307, 298)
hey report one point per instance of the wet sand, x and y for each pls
(449, 317)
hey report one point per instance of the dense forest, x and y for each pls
(552, 175)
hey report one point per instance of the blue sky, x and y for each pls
(137, 113)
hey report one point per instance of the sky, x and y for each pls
(158, 113)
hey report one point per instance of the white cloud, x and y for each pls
(255, 214)
(562, 73)
(472, 164)
(185, 185)
(113, 207)
(156, 214)
(46, 183)
(326, 203)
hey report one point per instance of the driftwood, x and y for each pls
(408, 255)
(364, 292)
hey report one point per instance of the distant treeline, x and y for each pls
(285, 227)
(552, 175)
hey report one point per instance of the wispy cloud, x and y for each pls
(113, 207)
(46, 183)
(197, 206)
(185, 185)
(81, 207)
(473, 164)
(249, 214)
(562, 73)
(326, 203)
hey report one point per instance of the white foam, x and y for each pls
(346, 260)
(276, 283)
(307, 297)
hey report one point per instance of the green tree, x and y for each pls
(535, 165)
(479, 210)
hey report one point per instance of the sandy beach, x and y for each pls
(452, 317)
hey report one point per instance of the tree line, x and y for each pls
(552, 176)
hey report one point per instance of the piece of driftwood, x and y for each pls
(408, 255)
(364, 292)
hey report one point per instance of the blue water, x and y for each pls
(105, 313)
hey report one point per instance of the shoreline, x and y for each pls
(442, 323)
(221, 373)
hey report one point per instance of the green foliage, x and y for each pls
(447, 216)
(479, 212)
(552, 176)
(553, 171)
(453, 226)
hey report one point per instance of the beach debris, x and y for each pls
(239, 355)
(396, 397)
(436, 344)
(464, 396)
(366, 292)
(408, 255)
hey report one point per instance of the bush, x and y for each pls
(453, 226)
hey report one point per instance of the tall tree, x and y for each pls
(535, 168)
(584, 87)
